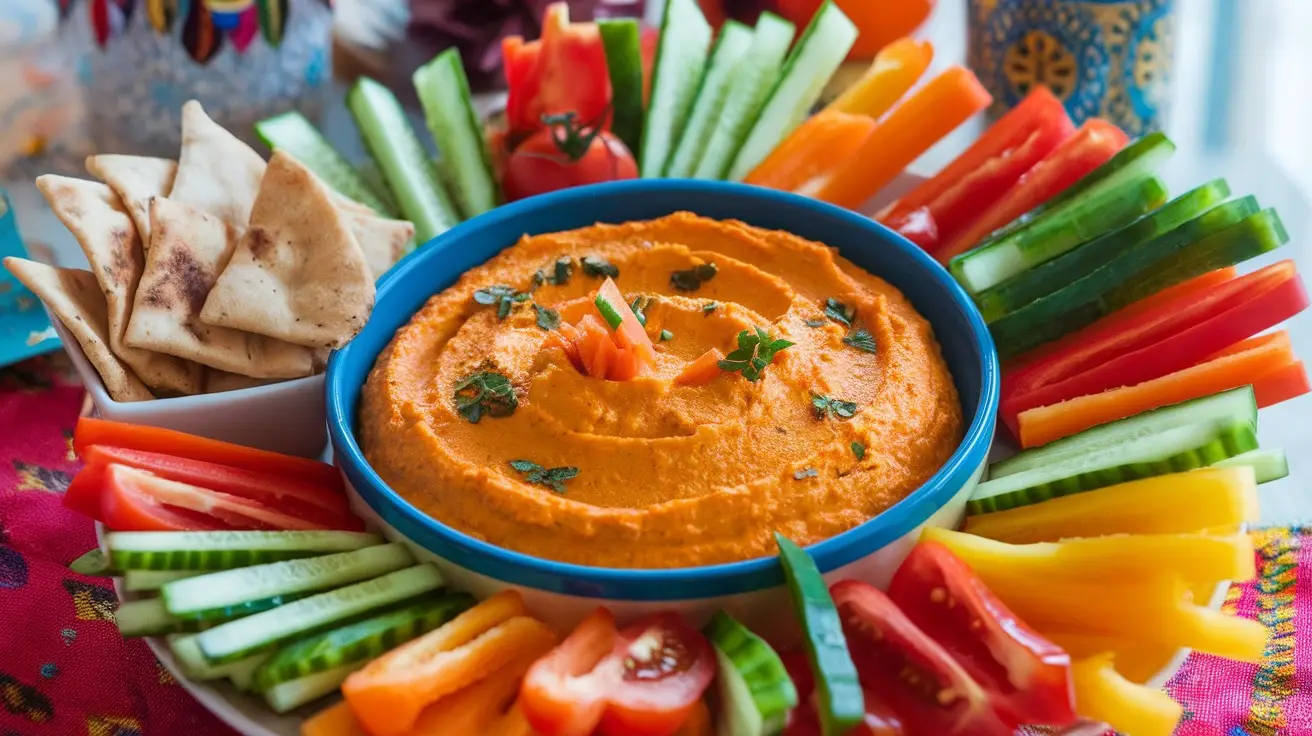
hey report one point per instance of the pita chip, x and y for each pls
(346, 204)
(93, 213)
(382, 241)
(190, 249)
(136, 179)
(217, 382)
(298, 274)
(217, 172)
(75, 298)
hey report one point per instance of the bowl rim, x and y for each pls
(686, 583)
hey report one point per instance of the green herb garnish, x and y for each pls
(666, 335)
(804, 473)
(755, 351)
(598, 267)
(827, 407)
(548, 318)
(859, 450)
(693, 278)
(561, 270)
(815, 323)
(639, 307)
(504, 297)
(861, 340)
(485, 393)
(839, 312)
(710, 307)
(553, 478)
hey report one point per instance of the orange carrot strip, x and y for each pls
(1044, 424)
(896, 69)
(481, 707)
(819, 146)
(930, 113)
(338, 720)
(1282, 384)
(703, 370)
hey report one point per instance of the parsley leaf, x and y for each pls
(666, 335)
(839, 312)
(504, 297)
(862, 340)
(859, 450)
(561, 270)
(548, 318)
(815, 323)
(693, 278)
(827, 407)
(553, 478)
(710, 307)
(598, 267)
(804, 473)
(755, 351)
(640, 306)
(485, 393)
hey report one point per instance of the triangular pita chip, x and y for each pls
(189, 251)
(346, 204)
(93, 213)
(298, 274)
(382, 241)
(136, 179)
(217, 382)
(74, 297)
(217, 173)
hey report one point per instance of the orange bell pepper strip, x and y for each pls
(819, 146)
(699, 722)
(481, 707)
(910, 129)
(1103, 695)
(1252, 360)
(629, 333)
(336, 720)
(896, 69)
(703, 370)
(389, 694)
(1282, 384)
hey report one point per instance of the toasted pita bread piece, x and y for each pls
(190, 249)
(217, 172)
(346, 204)
(93, 213)
(382, 241)
(217, 382)
(75, 298)
(136, 179)
(298, 274)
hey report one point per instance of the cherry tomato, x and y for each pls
(564, 154)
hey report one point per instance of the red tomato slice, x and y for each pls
(918, 226)
(630, 334)
(563, 71)
(1027, 676)
(930, 692)
(880, 719)
(124, 486)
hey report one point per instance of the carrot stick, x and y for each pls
(932, 112)
(338, 720)
(1265, 353)
(703, 370)
(896, 68)
(819, 146)
(478, 709)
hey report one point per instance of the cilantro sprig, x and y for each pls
(547, 318)
(756, 350)
(553, 478)
(693, 278)
(504, 297)
(560, 274)
(598, 267)
(862, 340)
(487, 393)
(840, 312)
(825, 407)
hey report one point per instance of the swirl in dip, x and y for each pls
(669, 475)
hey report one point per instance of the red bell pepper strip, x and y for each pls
(1095, 142)
(962, 191)
(1159, 341)
(134, 500)
(563, 71)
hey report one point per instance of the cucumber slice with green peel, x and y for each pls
(92, 562)
(449, 111)
(368, 171)
(680, 61)
(1059, 231)
(391, 141)
(271, 629)
(292, 133)
(1020, 290)
(807, 71)
(228, 588)
(730, 48)
(1171, 451)
(149, 617)
(1220, 409)
(242, 672)
(1267, 465)
(1129, 276)
(223, 550)
(755, 691)
(622, 40)
(219, 614)
(186, 652)
(138, 581)
(749, 88)
(363, 640)
(290, 695)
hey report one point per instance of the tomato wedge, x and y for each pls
(644, 680)
(563, 71)
(131, 501)
(880, 719)
(1027, 676)
(930, 692)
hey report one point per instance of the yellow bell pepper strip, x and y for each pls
(1181, 503)
(336, 720)
(820, 145)
(1103, 695)
(1135, 660)
(389, 694)
(896, 69)
(481, 707)
(1195, 558)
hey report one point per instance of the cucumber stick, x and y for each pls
(270, 629)
(449, 111)
(1016, 292)
(680, 60)
(753, 79)
(290, 695)
(1267, 465)
(369, 172)
(755, 691)
(223, 550)
(391, 141)
(622, 40)
(186, 652)
(823, 46)
(149, 617)
(142, 580)
(292, 133)
(244, 585)
(732, 44)
(1170, 451)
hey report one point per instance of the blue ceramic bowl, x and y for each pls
(961, 331)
